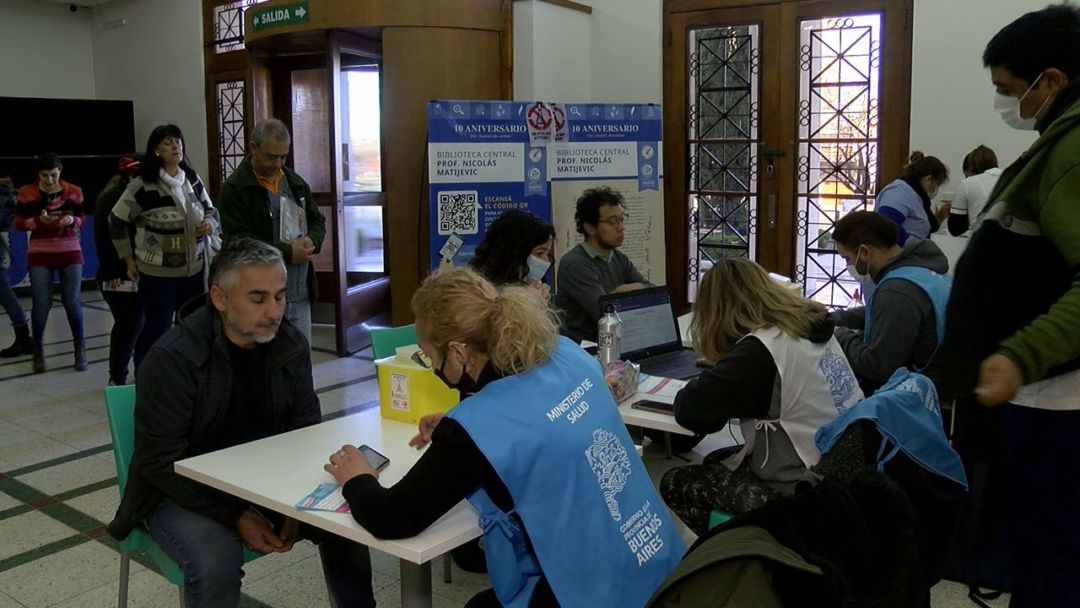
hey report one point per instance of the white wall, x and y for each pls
(45, 51)
(626, 58)
(156, 61)
(952, 100)
(551, 53)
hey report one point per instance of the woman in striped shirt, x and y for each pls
(51, 211)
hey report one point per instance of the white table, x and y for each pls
(278, 471)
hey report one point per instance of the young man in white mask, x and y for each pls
(903, 320)
(1014, 315)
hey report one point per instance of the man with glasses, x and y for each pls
(596, 266)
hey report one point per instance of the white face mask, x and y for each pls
(537, 269)
(1009, 109)
(853, 270)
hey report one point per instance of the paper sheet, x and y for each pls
(658, 388)
(326, 497)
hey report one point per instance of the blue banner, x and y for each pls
(481, 162)
(485, 157)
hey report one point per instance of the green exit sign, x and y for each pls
(280, 16)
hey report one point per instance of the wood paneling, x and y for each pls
(349, 14)
(311, 127)
(420, 64)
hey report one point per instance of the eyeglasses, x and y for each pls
(617, 220)
(421, 359)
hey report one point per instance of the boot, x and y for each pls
(39, 358)
(80, 355)
(23, 344)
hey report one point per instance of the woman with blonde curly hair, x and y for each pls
(537, 447)
(778, 369)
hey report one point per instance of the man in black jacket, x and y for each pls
(903, 321)
(266, 200)
(229, 373)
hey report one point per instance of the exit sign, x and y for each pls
(280, 16)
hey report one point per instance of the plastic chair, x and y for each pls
(385, 341)
(120, 409)
(717, 517)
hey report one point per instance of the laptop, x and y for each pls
(650, 333)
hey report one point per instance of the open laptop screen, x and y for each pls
(648, 322)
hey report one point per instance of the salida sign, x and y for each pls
(280, 16)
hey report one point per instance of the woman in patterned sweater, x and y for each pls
(51, 211)
(176, 227)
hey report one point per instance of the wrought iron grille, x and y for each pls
(231, 114)
(229, 25)
(838, 141)
(724, 135)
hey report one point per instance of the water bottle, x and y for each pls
(608, 331)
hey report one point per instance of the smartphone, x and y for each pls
(375, 459)
(654, 406)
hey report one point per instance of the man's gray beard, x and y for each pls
(260, 338)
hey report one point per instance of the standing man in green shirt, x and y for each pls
(266, 200)
(1012, 333)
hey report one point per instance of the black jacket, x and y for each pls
(905, 327)
(244, 207)
(181, 401)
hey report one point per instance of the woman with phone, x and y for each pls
(540, 432)
(778, 369)
(51, 210)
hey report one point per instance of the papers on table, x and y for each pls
(326, 497)
(660, 389)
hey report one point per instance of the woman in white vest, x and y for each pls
(569, 513)
(778, 369)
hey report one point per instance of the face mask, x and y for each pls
(537, 269)
(1009, 109)
(853, 270)
(465, 385)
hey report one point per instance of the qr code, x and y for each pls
(459, 213)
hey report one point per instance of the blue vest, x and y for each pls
(936, 286)
(908, 416)
(595, 526)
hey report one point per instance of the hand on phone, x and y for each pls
(347, 463)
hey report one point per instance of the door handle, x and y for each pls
(770, 157)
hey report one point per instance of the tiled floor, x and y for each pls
(58, 488)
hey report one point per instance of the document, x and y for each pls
(659, 389)
(293, 220)
(326, 497)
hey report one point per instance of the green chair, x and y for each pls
(717, 517)
(120, 409)
(385, 341)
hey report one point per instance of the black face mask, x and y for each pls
(465, 385)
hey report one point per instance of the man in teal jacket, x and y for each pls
(1013, 321)
(266, 200)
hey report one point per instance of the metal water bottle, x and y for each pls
(608, 331)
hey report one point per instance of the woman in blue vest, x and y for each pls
(906, 201)
(538, 448)
(778, 369)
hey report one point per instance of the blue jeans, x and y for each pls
(299, 314)
(41, 285)
(127, 316)
(161, 298)
(9, 302)
(211, 557)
